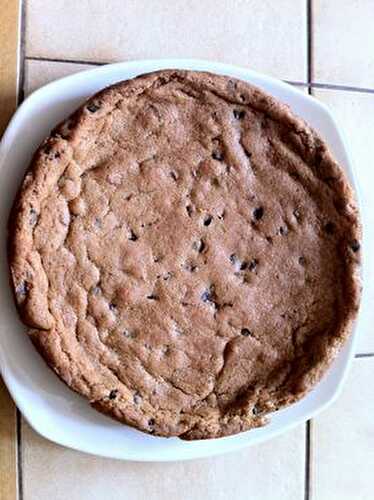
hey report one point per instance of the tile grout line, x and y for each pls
(20, 98)
(66, 61)
(333, 86)
(22, 54)
(364, 355)
(307, 477)
(19, 455)
(319, 85)
(96, 63)
(309, 45)
(296, 83)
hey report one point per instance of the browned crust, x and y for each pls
(48, 164)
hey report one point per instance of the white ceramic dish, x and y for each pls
(48, 405)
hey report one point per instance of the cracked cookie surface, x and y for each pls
(185, 251)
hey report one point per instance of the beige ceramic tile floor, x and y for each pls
(235, 31)
(343, 42)
(49, 471)
(271, 37)
(343, 457)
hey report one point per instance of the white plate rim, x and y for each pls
(194, 449)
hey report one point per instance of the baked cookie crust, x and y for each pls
(185, 251)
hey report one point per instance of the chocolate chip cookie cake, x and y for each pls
(184, 251)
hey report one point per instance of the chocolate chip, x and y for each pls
(151, 422)
(166, 350)
(47, 149)
(157, 258)
(22, 288)
(128, 334)
(245, 332)
(199, 246)
(167, 276)
(217, 155)
(133, 236)
(189, 210)
(33, 217)
(96, 290)
(329, 227)
(137, 398)
(242, 97)
(355, 246)
(302, 261)
(221, 216)
(253, 264)
(269, 239)
(112, 306)
(258, 213)
(173, 175)
(152, 297)
(297, 214)
(283, 230)
(256, 410)
(295, 175)
(208, 219)
(189, 266)
(231, 85)
(243, 265)
(239, 114)
(209, 295)
(93, 107)
(206, 296)
(233, 258)
(113, 394)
